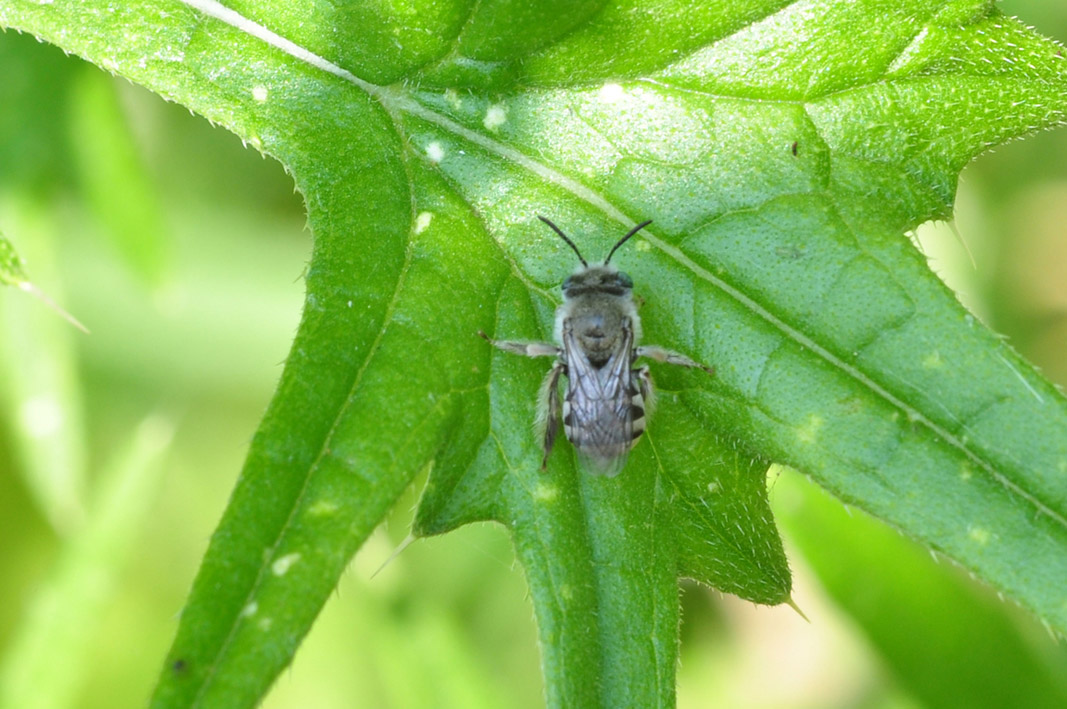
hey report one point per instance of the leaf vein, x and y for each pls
(394, 98)
(323, 453)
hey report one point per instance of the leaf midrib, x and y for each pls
(395, 100)
(312, 469)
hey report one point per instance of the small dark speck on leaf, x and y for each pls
(179, 666)
(796, 146)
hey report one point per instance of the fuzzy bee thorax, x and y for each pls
(599, 322)
(597, 311)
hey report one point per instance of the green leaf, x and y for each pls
(948, 643)
(12, 269)
(780, 148)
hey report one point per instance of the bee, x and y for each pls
(608, 397)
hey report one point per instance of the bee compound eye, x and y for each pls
(625, 281)
(567, 282)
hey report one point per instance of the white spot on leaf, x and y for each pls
(611, 93)
(423, 221)
(545, 493)
(495, 116)
(323, 508)
(259, 93)
(435, 152)
(281, 565)
(809, 432)
(933, 360)
(981, 535)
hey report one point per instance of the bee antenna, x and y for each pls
(623, 240)
(564, 237)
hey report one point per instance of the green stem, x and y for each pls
(607, 616)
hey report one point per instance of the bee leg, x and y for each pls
(528, 349)
(661, 354)
(548, 409)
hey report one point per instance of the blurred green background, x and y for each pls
(183, 252)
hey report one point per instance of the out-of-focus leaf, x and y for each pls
(113, 177)
(39, 382)
(46, 657)
(32, 133)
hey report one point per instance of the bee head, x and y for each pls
(597, 279)
(604, 278)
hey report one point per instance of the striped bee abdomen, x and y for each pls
(637, 411)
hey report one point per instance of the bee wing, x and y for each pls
(598, 411)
